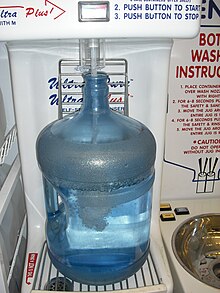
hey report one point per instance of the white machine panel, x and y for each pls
(43, 19)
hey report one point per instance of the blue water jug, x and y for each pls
(98, 172)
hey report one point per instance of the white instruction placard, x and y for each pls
(192, 150)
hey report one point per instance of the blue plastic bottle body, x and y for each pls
(102, 166)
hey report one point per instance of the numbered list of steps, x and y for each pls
(157, 10)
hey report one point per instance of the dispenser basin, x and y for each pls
(196, 245)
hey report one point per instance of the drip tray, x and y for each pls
(48, 278)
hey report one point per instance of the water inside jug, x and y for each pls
(98, 172)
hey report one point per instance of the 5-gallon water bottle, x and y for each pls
(98, 170)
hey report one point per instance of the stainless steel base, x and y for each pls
(196, 246)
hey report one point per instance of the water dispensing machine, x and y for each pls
(70, 60)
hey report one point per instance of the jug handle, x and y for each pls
(51, 198)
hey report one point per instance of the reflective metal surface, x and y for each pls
(196, 245)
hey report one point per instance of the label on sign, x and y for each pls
(32, 260)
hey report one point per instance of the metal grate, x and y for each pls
(71, 83)
(9, 140)
(48, 278)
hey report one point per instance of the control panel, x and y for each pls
(49, 19)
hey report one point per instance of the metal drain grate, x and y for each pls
(49, 279)
(208, 269)
(59, 284)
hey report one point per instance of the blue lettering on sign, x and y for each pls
(132, 15)
(132, 6)
(7, 14)
(211, 11)
(158, 15)
(192, 7)
(66, 99)
(68, 84)
(7, 17)
(164, 7)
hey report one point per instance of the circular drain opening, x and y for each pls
(216, 270)
(59, 284)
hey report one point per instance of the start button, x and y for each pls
(93, 11)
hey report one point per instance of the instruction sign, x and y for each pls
(192, 150)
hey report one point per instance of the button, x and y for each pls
(167, 217)
(181, 211)
(165, 207)
(91, 11)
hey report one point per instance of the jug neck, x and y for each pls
(95, 93)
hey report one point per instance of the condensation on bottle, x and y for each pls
(98, 172)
